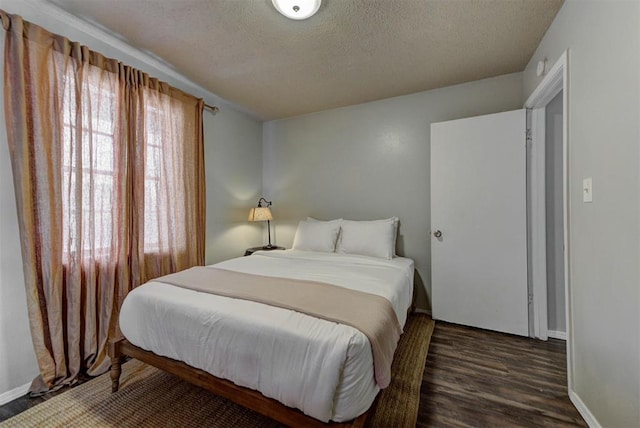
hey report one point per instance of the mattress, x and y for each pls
(323, 368)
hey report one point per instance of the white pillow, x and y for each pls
(323, 221)
(376, 238)
(316, 236)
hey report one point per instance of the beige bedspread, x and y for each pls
(371, 314)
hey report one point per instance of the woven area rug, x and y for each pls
(151, 398)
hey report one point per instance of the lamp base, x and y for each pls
(269, 247)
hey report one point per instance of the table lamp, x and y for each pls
(262, 213)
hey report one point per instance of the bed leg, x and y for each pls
(116, 360)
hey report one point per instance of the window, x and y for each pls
(88, 167)
(94, 162)
(153, 227)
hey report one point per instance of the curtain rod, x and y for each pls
(212, 109)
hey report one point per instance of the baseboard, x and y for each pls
(584, 410)
(554, 334)
(14, 393)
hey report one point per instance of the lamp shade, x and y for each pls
(260, 214)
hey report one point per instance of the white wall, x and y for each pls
(604, 254)
(233, 162)
(233, 151)
(17, 360)
(371, 161)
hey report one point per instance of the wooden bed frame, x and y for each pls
(246, 397)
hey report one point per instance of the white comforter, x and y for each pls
(320, 367)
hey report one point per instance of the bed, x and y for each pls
(287, 365)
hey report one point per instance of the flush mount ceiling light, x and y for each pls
(297, 9)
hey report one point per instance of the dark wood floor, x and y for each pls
(25, 402)
(476, 378)
(19, 405)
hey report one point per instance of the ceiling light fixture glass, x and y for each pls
(297, 9)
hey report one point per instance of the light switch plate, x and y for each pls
(587, 190)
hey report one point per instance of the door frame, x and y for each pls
(556, 80)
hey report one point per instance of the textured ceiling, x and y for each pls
(350, 52)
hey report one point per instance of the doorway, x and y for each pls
(554, 169)
(549, 209)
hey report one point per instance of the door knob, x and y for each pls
(437, 234)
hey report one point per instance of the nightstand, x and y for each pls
(252, 250)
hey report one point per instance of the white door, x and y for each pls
(478, 222)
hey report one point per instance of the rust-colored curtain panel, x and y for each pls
(108, 168)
